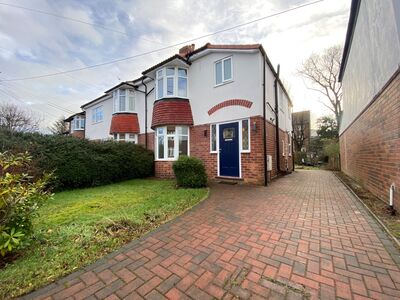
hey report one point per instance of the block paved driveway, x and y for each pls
(304, 236)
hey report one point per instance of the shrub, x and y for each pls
(190, 172)
(78, 162)
(20, 197)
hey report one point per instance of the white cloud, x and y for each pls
(48, 44)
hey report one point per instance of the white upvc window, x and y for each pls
(213, 138)
(290, 145)
(124, 100)
(171, 142)
(245, 129)
(171, 82)
(223, 71)
(97, 114)
(126, 137)
(78, 123)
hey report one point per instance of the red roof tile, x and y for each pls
(172, 112)
(124, 123)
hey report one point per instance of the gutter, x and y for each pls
(264, 128)
(278, 160)
(145, 108)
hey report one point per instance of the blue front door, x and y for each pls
(229, 149)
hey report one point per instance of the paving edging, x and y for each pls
(387, 231)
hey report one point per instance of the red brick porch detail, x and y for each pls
(232, 102)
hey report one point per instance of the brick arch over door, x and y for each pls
(231, 102)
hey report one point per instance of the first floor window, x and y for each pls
(124, 100)
(171, 82)
(97, 114)
(126, 137)
(172, 141)
(213, 137)
(223, 70)
(245, 135)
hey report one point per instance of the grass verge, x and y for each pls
(377, 206)
(77, 227)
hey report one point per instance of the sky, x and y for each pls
(33, 44)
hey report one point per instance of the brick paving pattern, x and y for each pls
(304, 236)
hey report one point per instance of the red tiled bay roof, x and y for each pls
(124, 123)
(172, 112)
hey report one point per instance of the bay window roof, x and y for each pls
(172, 112)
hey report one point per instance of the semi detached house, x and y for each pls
(221, 103)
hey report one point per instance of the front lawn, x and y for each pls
(78, 227)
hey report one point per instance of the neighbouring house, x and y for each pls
(301, 130)
(370, 76)
(220, 103)
(75, 125)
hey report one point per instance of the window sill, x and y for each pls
(172, 97)
(81, 129)
(166, 159)
(245, 151)
(125, 112)
(94, 123)
(223, 83)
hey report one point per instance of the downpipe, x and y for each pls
(391, 196)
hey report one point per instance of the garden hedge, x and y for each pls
(78, 162)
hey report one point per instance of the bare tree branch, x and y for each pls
(322, 71)
(15, 118)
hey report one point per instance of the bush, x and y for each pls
(78, 162)
(190, 172)
(20, 197)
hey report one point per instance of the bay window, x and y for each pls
(172, 141)
(171, 82)
(124, 100)
(125, 137)
(223, 71)
(78, 123)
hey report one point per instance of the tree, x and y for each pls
(299, 134)
(322, 71)
(58, 127)
(14, 118)
(327, 128)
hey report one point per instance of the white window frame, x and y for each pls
(241, 136)
(129, 95)
(81, 122)
(216, 138)
(95, 117)
(176, 143)
(175, 80)
(290, 145)
(224, 80)
(116, 137)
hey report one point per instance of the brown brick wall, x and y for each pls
(370, 147)
(150, 140)
(252, 163)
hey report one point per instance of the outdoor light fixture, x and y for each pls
(254, 126)
(205, 133)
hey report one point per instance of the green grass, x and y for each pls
(78, 227)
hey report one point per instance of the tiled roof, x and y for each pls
(124, 123)
(172, 112)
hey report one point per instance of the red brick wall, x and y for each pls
(370, 147)
(79, 134)
(150, 140)
(252, 163)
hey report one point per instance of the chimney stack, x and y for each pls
(185, 50)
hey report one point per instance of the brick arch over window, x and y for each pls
(231, 102)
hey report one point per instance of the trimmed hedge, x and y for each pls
(78, 162)
(190, 172)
